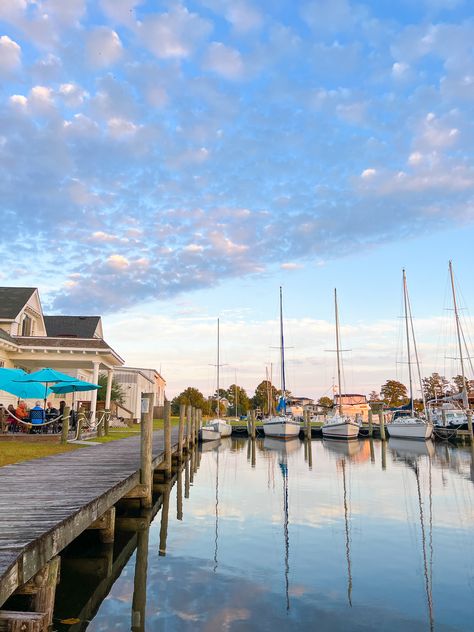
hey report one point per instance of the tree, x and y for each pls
(457, 386)
(190, 397)
(260, 399)
(116, 394)
(325, 402)
(243, 402)
(435, 386)
(374, 396)
(394, 393)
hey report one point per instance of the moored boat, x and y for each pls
(209, 434)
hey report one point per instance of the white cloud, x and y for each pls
(120, 11)
(415, 158)
(399, 69)
(193, 248)
(100, 235)
(72, 94)
(368, 173)
(291, 265)
(175, 34)
(19, 100)
(118, 262)
(119, 127)
(103, 47)
(224, 61)
(66, 12)
(10, 54)
(243, 16)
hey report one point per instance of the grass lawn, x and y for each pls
(16, 451)
(122, 433)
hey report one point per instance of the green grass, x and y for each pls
(17, 451)
(133, 431)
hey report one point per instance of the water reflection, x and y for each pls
(287, 536)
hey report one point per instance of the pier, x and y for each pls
(47, 503)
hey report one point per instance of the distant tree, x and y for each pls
(190, 397)
(435, 386)
(117, 394)
(394, 393)
(325, 402)
(457, 384)
(260, 399)
(374, 396)
(243, 402)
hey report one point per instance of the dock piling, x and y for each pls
(382, 425)
(146, 473)
(182, 413)
(469, 424)
(371, 427)
(65, 424)
(188, 427)
(167, 437)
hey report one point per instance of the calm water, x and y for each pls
(339, 537)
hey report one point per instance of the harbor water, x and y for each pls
(274, 535)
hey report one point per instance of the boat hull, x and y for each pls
(221, 426)
(410, 430)
(341, 430)
(283, 429)
(209, 434)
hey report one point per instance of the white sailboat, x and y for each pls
(281, 425)
(405, 424)
(216, 425)
(339, 426)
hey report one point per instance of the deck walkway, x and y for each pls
(46, 503)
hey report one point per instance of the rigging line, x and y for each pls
(346, 521)
(284, 471)
(216, 539)
(430, 491)
(429, 595)
(415, 349)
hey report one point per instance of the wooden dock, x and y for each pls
(46, 503)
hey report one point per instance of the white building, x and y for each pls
(135, 381)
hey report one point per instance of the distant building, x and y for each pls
(353, 404)
(135, 381)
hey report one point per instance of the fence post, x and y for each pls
(80, 422)
(100, 425)
(106, 422)
(146, 445)
(65, 427)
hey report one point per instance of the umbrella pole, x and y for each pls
(45, 395)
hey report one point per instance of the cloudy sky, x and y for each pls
(164, 163)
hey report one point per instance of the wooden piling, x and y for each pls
(371, 427)
(469, 424)
(167, 437)
(310, 453)
(253, 452)
(193, 425)
(188, 427)
(382, 425)
(106, 422)
(182, 413)
(179, 494)
(106, 526)
(42, 588)
(3, 417)
(252, 424)
(187, 484)
(146, 473)
(65, 424)
(80, 422)
(383, 447)
(372, 452)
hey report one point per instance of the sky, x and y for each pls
(166, 163)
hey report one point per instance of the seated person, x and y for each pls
(37, 414)
(51, 411)
(22, 413)
(11, 421)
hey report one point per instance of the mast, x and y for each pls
(405, 302)
(282, 354)
(236, 402)
(458, 331)
(268, 392)
(338, 352)
(218, 367)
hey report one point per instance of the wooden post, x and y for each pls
(146, 474)
(182, 413)
(167, 433)
(188, 426)
(2, 420)
(100, 425)
(106, 526)
(253, 452)
(165, 507)
(249, 423)
(192, 462)
(106, 422)
(80, 422)
(310, 453)
(187, 483)
(371, 428)
(65, 424)
(382, 425)
(443, 416)
(139, 582)
(252, 424)
(372, 453)
(383, 447)
(193, 425)
(469, 424)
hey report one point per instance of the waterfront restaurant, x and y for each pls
(74, 345)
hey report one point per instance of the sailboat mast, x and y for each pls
(282, 352)
(405, 303)
(236, 397)
(338, 352)
(458, 331)
(218, 367)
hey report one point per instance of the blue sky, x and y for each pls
(176, 158)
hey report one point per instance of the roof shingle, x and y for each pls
(13, 299)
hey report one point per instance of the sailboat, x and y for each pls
(446, 412)
(339, 426)
(281, 425)
(405, 424)
(217, 427)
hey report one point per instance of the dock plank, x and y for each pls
(46, 503)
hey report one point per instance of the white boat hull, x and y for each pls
(209, 434)
(410, 429)
(342, 430)
(281, 427)
(221, 426)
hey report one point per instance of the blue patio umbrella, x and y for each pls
(61, 388)
(46, 376)
(10, 383)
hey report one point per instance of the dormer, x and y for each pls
(21, 313)
(74, 326)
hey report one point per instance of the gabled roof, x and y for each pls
(71, 326)
(13, 300)
(5, 336)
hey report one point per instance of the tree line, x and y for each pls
(392, 393)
